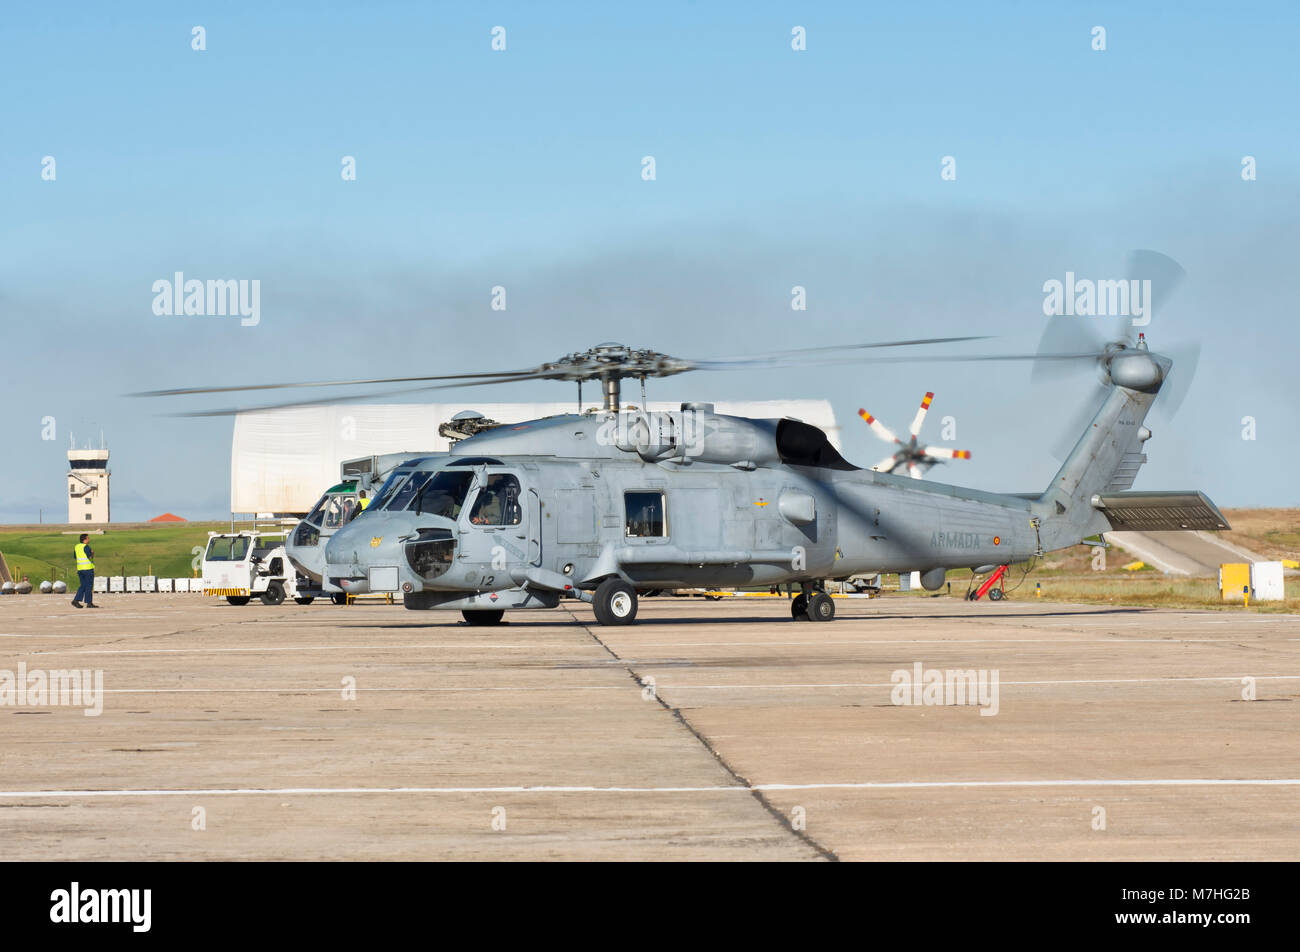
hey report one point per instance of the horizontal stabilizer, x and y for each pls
(1164, 511)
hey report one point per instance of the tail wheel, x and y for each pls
(821, 607)
(237, 599)
(483, 618)
(274, 594)
(306, 600)
(799, 608)
(339, 598)
(615, 602)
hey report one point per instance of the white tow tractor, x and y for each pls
(239, 565)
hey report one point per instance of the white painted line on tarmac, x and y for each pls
(258, 650)
(736, 788)
(1236, 679)
(316, 689)
(551, 645)
(958, 642)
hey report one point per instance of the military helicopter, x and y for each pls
(601, 505)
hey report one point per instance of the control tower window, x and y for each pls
(645, 514)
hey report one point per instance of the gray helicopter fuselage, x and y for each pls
(687, 499)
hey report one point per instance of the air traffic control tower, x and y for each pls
(88, 486)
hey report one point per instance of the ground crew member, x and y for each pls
(364, 501)
(86, 574)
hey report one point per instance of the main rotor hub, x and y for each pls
(610, 363)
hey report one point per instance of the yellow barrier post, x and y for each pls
(1233, 577)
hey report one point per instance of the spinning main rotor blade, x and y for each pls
(566, 368)
(606, 361)
(325, 401)
(807, 355)
(185, 391)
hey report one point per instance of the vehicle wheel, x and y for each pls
(274, 594)
(799, 608)
(615, 602)
(339, 598)
(713, 598)
(996, 594)
(307, 600)
(483, 618)
(237, 599)
(821, 607)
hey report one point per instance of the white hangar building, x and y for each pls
(282, 460)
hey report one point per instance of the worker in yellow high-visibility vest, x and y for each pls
(85, 573)
(363, 501)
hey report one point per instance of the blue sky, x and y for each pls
(522, 168)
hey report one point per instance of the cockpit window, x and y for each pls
(497, 503)
(389, 487)
(444, 495)
(331, 512)
(402, 498)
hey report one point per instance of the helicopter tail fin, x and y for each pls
(1106, 459)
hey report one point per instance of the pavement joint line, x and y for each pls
(753, 789)
(743, 782)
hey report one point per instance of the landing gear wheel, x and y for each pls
(237, 599)
(799, 608)
(615, 602)
(339, 598)
(274, 594)
(483, 618)
(821, 607)
(306, 600)
(996, 594)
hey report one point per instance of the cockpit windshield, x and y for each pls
(406, 493)
(331, 512)
(444, 494)
(390, 486)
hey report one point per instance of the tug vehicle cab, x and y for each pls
(240, 565)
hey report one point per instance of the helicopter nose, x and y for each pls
(352, 547)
